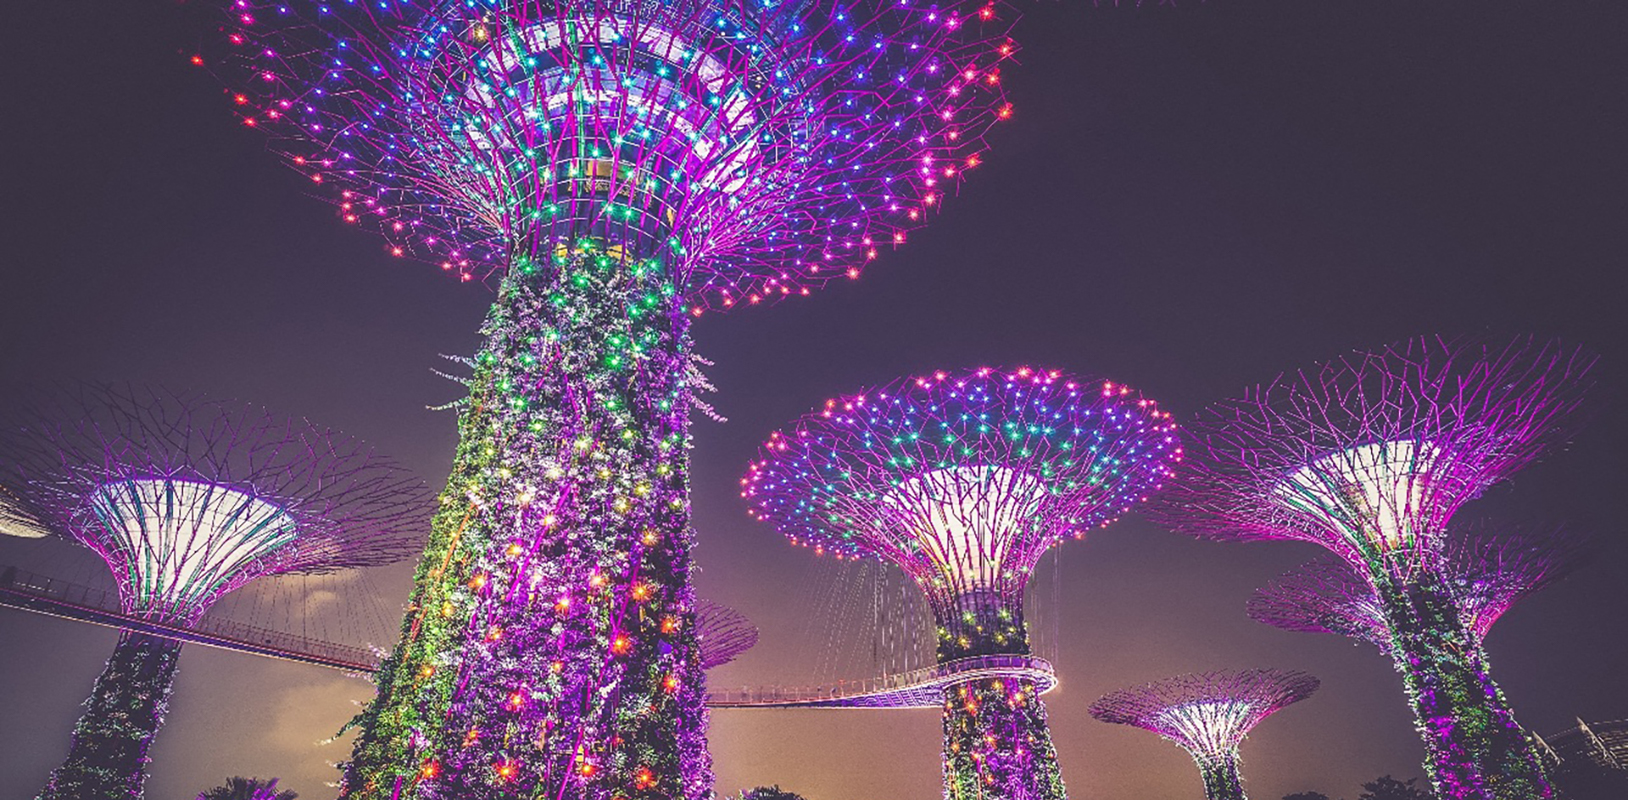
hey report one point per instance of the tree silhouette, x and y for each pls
(770, 793)
(237, 788)
(1389, 788)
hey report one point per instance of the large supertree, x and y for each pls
(1208, 714)
(1487, 574)
(187, 499)
(620, 166)
(963, 480)
(1370, 456)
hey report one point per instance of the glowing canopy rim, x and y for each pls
(1371, 494)
(960, 518)
(183, 540)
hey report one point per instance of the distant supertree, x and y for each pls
(1370, 456)
(721, 633)
(621, 166)
(1488, 575)
(1208, 714)
(963, 481)
(187, 499)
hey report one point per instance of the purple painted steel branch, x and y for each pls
(1207, 713)
(778, 146)
(1488, 574)
(963, 480)
(1370, 455)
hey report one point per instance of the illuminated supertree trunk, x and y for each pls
(1370, 456)
(186, 499)
(1477, 748)
(1208, 715)
(997, 743)
(1221, 778)
(1442, 664)
(125, 710)
(554, 611)
(963, 481)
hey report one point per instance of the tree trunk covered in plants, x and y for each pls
(549, 649)
(108, 758)
(1474, 748)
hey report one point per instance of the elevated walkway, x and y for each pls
(922, 688)
(30, 592)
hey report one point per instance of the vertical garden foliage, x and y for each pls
(549, 650)
(108, 758)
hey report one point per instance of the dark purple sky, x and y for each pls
(1187, 200)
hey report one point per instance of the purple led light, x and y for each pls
(769, 147)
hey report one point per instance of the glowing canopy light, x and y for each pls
(1208, 715)
(961, 518)
(1371, 455)
(187, 499)
(763, 148)
(14, 522)
(1208, 726)
(1370, 494)
(186, 541)
(963, 480)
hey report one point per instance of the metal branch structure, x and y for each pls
(1208, 714)
(620, 167)
(1370, 456)
(722, 633)
(1488, 575)
(963, 481)
(187, 499)
(14, 521)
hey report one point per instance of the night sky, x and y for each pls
(1188, 200)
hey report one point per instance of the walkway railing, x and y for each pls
(31, 592)
(922, 688)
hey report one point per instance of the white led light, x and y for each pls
(963, 518)
(184, 539)
(1371, 494)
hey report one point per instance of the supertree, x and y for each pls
(1370, 456)
(963, 481)
(621, 166)
(1488, 575)
(1208, 714)
(187, 499)
(721, 633)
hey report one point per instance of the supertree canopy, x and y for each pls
(750, 150)
(622, 165)
(1370, 456)
(187, 499)
(963, 481)
(1488, 575)
(721, 633)
(1208, 714)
